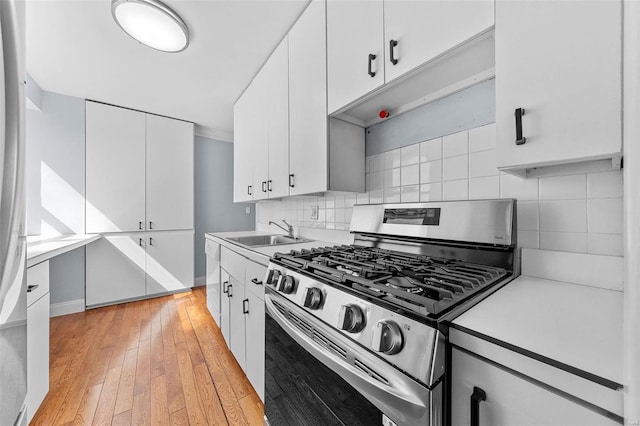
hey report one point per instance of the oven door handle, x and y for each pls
(401, 398)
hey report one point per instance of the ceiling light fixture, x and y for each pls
(151, 23)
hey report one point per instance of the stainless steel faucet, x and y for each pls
(288, 229)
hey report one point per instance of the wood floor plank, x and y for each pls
(209, 397)
(107, 401)
(159, 406)
(154, 362)
(124, 400)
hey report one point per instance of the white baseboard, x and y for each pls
(201, 281)
(65, 308)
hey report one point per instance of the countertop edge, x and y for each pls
(64, 245)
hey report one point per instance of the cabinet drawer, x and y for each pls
(233, 263)
(37, 275)
(37, 354)
(255, 274)
(512, 399)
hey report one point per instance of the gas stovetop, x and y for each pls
(425, 285)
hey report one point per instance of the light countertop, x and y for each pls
(572, 323)
(41, 248)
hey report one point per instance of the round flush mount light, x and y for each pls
(151, 23)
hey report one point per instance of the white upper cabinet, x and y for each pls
(258, 148)
(307, 102)
(115, 171)
(169, 174)
(276, 71)
(561, 63)
(418, 31)
(355, 50)
(372, 42)
(243, 188)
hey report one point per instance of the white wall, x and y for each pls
(579, 213)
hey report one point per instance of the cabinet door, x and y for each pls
(258, 150)
(169, 261)
(255, 342)
(276, 106)
(511, 400)
(225, 315)
(169, 175)
(236, 321)
(37, 354)
(424, 29)
(214, 287)
(243, 188)
(115, 171)
(307, 101)
(354, 31)
(115, 268)
(561, 62)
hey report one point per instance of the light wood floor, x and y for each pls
(155, 362)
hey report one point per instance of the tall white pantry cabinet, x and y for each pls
(139, 196)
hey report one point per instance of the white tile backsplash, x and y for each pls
(571, 213)
(455, 168)
(563, 216)
(410, 155)
(410, 175)
(482, 164)
(431, 171)
(455, 190)
(482, 138)
(455, 144)
(484, 188)
(604, 185)
(563, 187)
(431, 150)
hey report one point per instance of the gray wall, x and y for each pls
(55, 168)
(214, 207)
(469, 108)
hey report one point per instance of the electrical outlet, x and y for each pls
(314, 212)
(247, 210)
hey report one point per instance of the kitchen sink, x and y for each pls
(267, 240)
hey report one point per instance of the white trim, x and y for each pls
(200, 281)
(209, 133)
(65, 308)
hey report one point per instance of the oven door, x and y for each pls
(315, 375)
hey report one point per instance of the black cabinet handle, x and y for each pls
(140, 241)
(245, 306)
(150, 241)
(392, 44)
(248, 189)
(372, 57)
(477, 396)
(291, 181)
(225, 284)
(139, 225)
(229, 290)
(150, 225)
(263, 186)
(269, 182)
(32, 287)
(520, 140)
(256, 281)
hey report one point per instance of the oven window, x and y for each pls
(428, 216)
(300, 390)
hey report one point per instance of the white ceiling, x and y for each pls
(75, 48)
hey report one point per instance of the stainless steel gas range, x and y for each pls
(356, 334)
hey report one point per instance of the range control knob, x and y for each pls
(387, 338)
(351, 318)
(313, 298)
(286, 284)
(272, 276)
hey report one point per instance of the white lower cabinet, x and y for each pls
(128, 266)
(242, 313)
(511, 399)
(37, 336)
